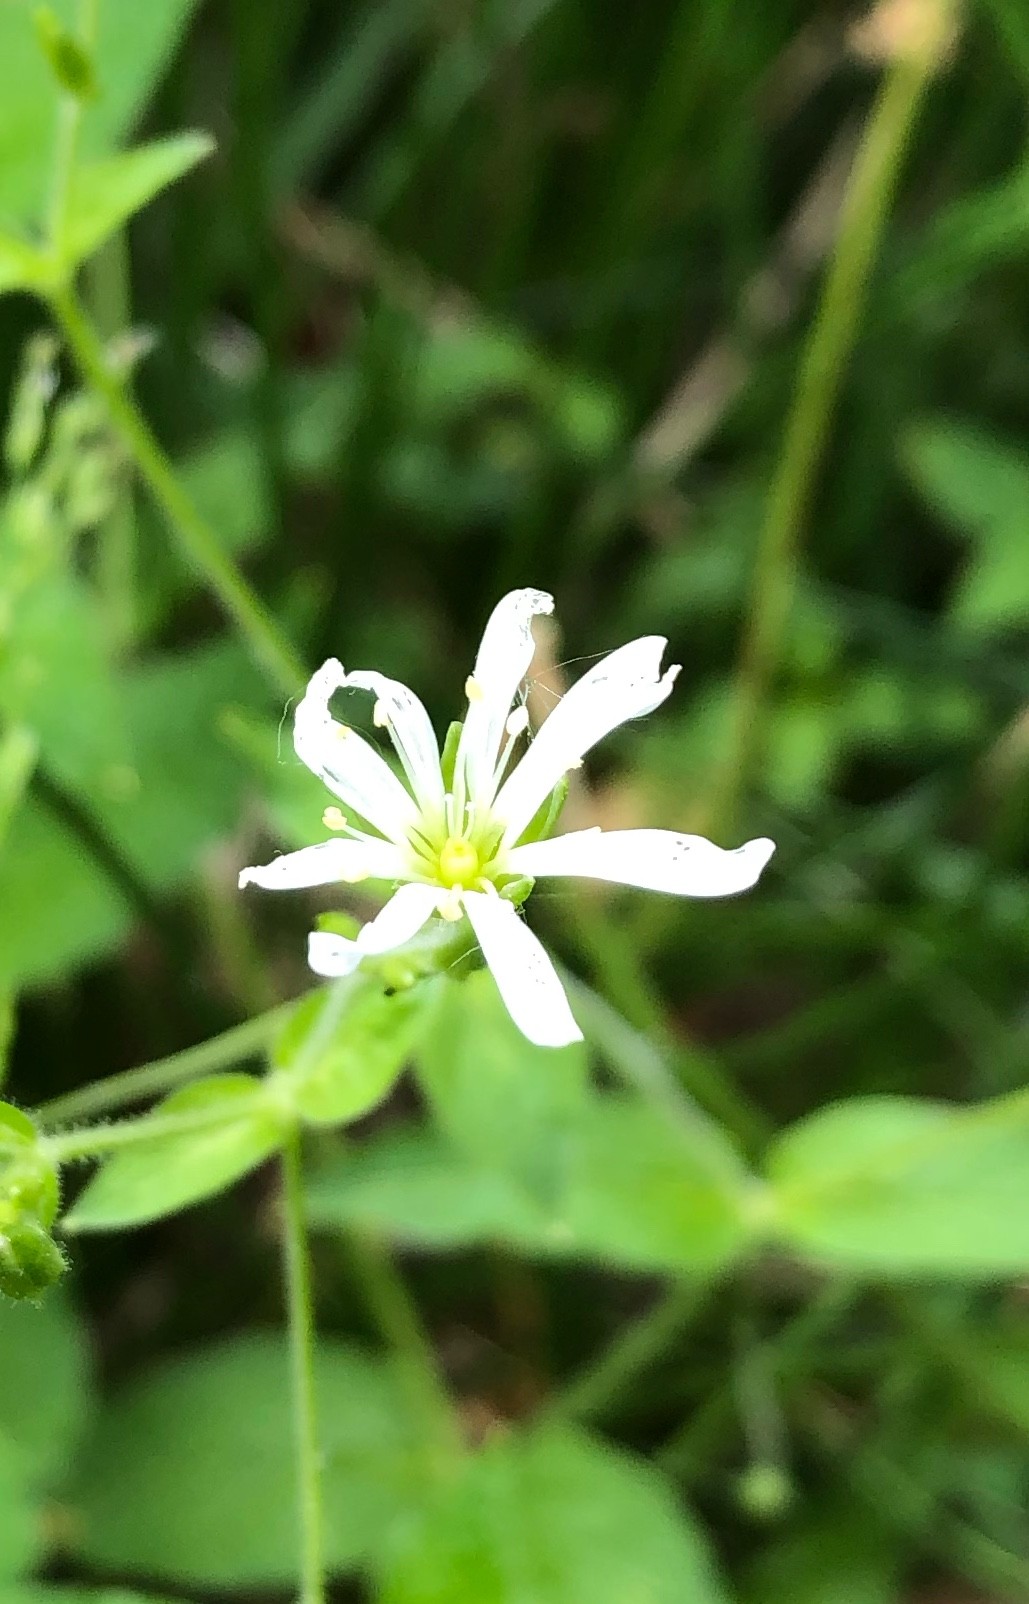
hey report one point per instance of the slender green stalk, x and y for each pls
(864, 216)
(94, 1140)
(694, 1446)
(398, 1321)
(268, 644)
(600, 1384)
(107, 295)
(300, 1314)
(151, 1080)
(69, 127)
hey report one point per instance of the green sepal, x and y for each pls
(337, 923)
(448, 757)
(30, 1260)
(518, 890)
(16, 1130)
(544, 820)
(28, 1179)
(68, 60)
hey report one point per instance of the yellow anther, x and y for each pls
(473, 690)
(380, 715)
(334, 819)
(459, 863)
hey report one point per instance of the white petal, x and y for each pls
(526, 979)
(657, 860)
(331, 955)
(502, 663)
(412, 732)
(348, 765)
(401, 919)
(327, 862)
(626, 684)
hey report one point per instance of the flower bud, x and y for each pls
(30, 1260)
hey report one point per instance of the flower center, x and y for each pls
(459, 862)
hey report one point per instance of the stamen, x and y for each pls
(380, 716)
(517, 721)
(334, 819)
(473, 690)
(449, 907)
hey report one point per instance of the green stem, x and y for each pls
(693, 1449)
(69, 127)
(599, 1385)
(398, 1321)
(301, 1350)
(865, 211)
(150, 1080)
(94, 1140)
(267, 643)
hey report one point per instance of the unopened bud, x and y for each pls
(69, 61)
(30, 1260)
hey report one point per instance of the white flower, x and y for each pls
(454, 851)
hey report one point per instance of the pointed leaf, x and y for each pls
(906, 1187)
(344, 1046)
(21, 267)
(498, 1098)
(163, 1174)
(105, 194)
(634, 1193)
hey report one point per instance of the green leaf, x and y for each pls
(190, 783)
(55, 645)
(42, 935)
(19, 1518)
(105, 194)
(162, 1174)
(905, 1187)
(44, 1384)
(498, 1098)
(636, 1192)
(552, 1517)
(188, 1475)
(21, 266)
(19, 749)
(980, 485)
(996, 1362)
(343, 1047)
(133, 44)
(829, 1558)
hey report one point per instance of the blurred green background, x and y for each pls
(713, 319)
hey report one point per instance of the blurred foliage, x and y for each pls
(732, 1303)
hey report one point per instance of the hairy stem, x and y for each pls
(94, 1140)
(602, 1382)
(300, 1315)
(266, 641)
(152, 1080)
